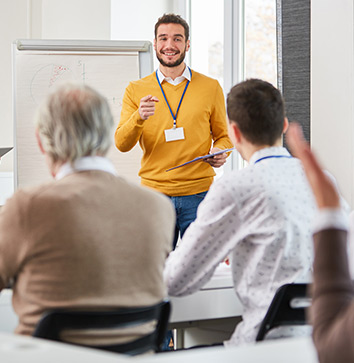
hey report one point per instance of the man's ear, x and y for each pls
(188, 44)
(235, 131)
(155, 44)
(286, 125)
(39, 142)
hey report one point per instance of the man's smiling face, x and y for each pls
(171, 45)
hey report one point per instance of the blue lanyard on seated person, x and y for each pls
(273, 156)
(180, 101)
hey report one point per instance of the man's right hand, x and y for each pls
(147, 106)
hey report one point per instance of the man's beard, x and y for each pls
(174, 64)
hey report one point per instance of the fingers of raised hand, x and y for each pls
(147, 106)
(146, 109)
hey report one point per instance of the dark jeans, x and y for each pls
(186, 211)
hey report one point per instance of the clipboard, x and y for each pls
(202, 158)
(4, 150)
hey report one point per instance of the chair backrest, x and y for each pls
(288, 307)
(53, 322)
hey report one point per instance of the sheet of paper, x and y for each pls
(201, 158)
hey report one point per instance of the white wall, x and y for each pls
(332, 93)
(76, 19)
(128, 14)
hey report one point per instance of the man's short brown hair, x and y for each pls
(172, 19)
(257, 107)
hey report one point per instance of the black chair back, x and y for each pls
(53, 322)
(288, 307)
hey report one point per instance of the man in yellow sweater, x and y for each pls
(176, 114)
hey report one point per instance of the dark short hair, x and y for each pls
(172, 19)
(258, 109)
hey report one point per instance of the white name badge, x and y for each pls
(174, 134)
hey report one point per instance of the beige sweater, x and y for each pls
(88, 240)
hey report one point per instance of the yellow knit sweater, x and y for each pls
(203, 118)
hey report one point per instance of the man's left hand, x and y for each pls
(217, 160)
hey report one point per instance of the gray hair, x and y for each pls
(74, 121)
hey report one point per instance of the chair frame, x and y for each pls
(53, 322)
(282, 310)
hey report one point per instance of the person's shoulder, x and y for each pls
(25, 197)
(142, 87)
(228, 182)
(140, 192)
(154, 195)
(237, 182)
(36, 190)
(208, 85)
(204, 78)
(143, 81)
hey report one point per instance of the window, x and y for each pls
(260, 40)
(207, 37)
(235, 39)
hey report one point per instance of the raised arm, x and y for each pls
(132, 118)
(332, 309)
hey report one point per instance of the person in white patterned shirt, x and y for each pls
(259, 216)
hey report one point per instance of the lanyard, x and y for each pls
(180, 101)
(272, 156)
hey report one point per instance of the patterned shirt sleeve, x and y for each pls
(206, 243)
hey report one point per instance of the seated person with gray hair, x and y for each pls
(88, 239)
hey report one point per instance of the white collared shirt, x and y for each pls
(185, 75)
(86, 163)
(261, 217)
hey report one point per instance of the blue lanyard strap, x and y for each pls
(180, 101)
(272, 156)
